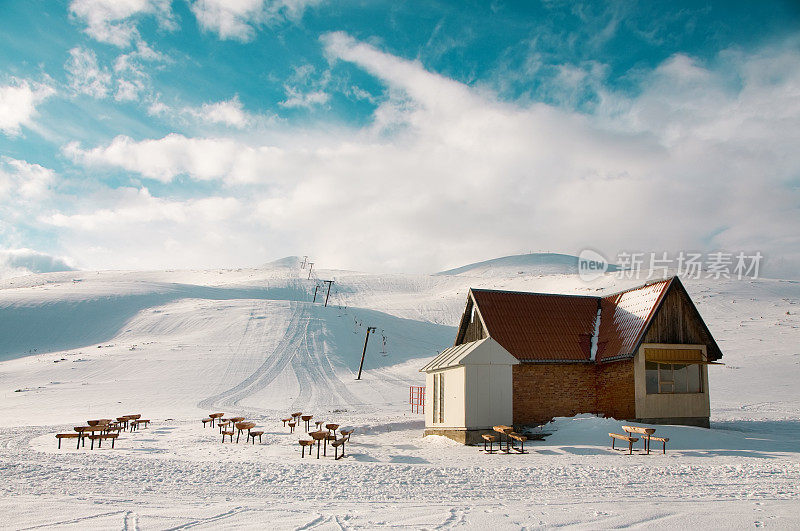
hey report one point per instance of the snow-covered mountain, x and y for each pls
(176, 345)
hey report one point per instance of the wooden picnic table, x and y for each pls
(646, 433)
(241, 426)
(318, 437)
(504, 430)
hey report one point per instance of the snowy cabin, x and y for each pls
(523, 358)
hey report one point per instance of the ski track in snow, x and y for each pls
(299, 349)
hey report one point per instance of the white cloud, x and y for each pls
(447, 173)
(153, 227)
(126, 79)
(85, 75)
(166, 158)
(306, 100)
(20, 262)
(114, 21)
(21, 180)
(18, 102)
(25, 192)
(230, 112)
(239, 19)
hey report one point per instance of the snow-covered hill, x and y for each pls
(177, 344)
(522, 264)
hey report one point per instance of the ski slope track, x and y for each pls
(176, 345)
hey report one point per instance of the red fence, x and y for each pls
(416, 397)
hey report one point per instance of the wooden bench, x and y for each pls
(228, 432)
(99, 438)
(630, 441)
(489, 438)
(208, 421)
(303, 444)
(663, 440)
(285, 421)
(292, 424)
(340, 442)
(255, 433)
(76, 435)
(514, 436)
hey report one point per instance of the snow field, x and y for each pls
(177, 345)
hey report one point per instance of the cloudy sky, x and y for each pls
(395, 136)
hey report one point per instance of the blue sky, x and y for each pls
(395, 136)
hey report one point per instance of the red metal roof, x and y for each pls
(538, 326)
(552, 327)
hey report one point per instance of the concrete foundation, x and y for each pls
(701, 422)
(460, 436)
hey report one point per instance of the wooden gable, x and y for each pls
(471, 327)
(677, 321)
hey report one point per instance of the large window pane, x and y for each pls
(694, 380)
(679, 374)
(665, 376)
(651, 377)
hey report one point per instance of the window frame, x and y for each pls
(438, 397)
(664, 383)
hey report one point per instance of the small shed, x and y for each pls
(484, 368)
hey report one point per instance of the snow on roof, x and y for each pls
(625, 316)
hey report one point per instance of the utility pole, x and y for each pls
(310, 268)
(328, 282)
(303, 265)
(364, 353)
(316, 287)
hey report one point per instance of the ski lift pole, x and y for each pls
(364, 352)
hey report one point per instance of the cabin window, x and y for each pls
(438, 397)
(671, 378)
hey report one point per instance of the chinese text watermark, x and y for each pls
(640, 265)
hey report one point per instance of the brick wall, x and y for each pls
(616, 395)
(544, 391)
